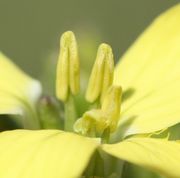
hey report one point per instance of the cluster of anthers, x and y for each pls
(102, 118)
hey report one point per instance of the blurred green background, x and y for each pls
(30, 29)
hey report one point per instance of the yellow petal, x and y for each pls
(149, 75)
(44, 154)
(15, 87)
(158, 155)
(10, 105)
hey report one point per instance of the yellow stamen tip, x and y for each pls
(102, 74)
(112, 105)
(67, 79)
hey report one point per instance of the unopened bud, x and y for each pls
(49, 113)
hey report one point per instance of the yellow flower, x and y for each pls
(149, 76)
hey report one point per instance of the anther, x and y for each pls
(67, 77)
(102, 74)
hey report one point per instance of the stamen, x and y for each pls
(67, 79)
(100, 120)
(102, 74)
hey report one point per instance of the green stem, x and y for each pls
(105, 136)
(70, 113)
(95, 167)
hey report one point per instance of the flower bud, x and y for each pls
(49, 113)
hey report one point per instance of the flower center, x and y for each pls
(104, 99)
